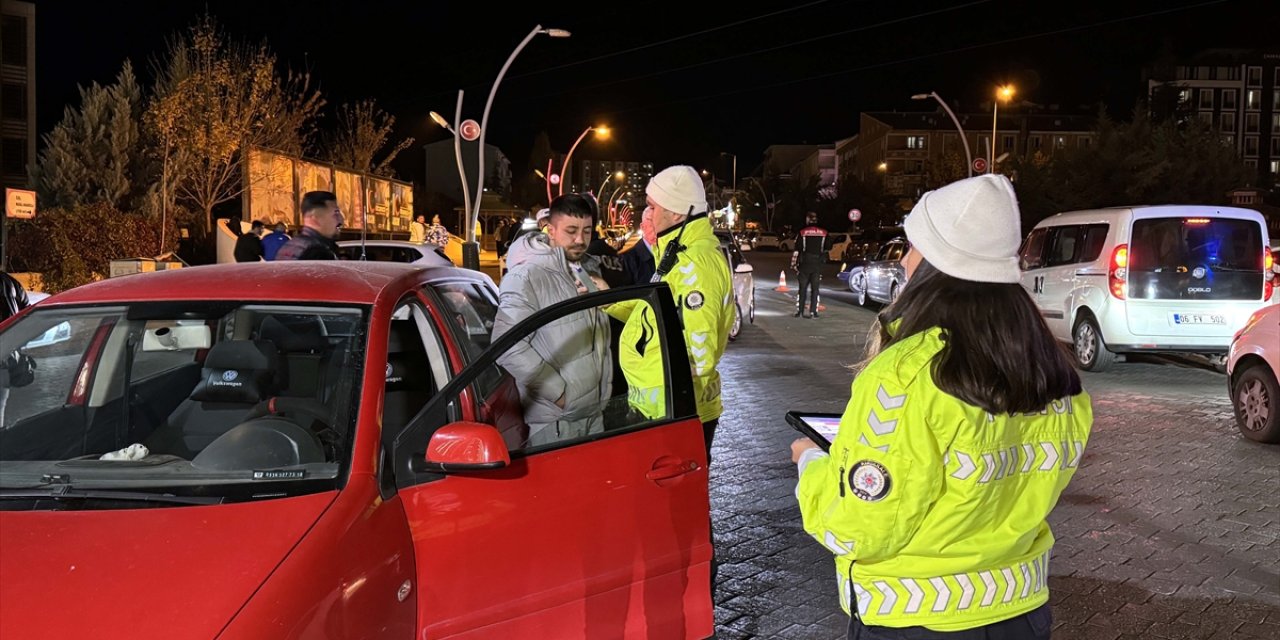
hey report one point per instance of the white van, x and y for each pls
(1180, 278)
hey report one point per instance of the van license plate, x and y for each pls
(1199, 318)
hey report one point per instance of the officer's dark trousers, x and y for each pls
(1033, 625)
(809, 287)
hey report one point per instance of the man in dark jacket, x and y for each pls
(322, 221)
(249, 245)
(807, 260)
(15, 297)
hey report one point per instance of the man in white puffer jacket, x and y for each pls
(564, 370)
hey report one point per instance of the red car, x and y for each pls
(328, 450)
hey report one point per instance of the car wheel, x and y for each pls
(893, 293)
(736, 327)
(1090, 351)
(858, 285)
(1256, 396)
(751, 311)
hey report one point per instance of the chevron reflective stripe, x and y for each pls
(688, 268)
(917, 595)
(1029, 453)
(1026, 579)
(1004, 463)
(1051, 456)
(1008, 585)
(990, 469)
(890, 401)
(1035, 573)
(831, 542)
(864, 599)
(966, 591)
(1065, 451)
(881, 427)
(966, 466)
(944, 594)
(1079, 451)
(1044, 570)
(1013, 461)
(989, 592)
(890, 597)
(862, 440)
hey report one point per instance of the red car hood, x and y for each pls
(175, 572)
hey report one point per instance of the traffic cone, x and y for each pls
(782, 282)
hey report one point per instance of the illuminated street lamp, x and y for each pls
(883, 166)
(471, 249)
(601, 131)
(457, 152)
(617, 176)
(968, 158)
(1002, 93)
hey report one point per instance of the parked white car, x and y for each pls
(1252, 369)
(1173, 278)
(427, 255)
(770, 240)
(744, 288)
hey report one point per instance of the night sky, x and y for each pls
(679, 82)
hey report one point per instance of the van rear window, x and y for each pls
(1195, 259)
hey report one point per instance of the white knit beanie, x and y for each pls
(969, 229)
(678, 189)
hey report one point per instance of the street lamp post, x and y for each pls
(603, 132)
(1003, 93)
(968, 158)
(471, 249)
(457, 149)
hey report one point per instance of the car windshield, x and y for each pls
(192, 398)
(1196, 259)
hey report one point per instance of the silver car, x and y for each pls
(744, 287)
(427, 255)
(883, 277)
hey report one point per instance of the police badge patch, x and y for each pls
(693, 301)
(869, 480)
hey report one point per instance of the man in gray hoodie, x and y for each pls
(564, 370)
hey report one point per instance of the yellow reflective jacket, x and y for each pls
(935, 509)
(703, 290)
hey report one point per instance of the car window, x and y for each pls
(472, 310)
(405, 254)
(1095, 238)
(52, 358)
(884, 252)
(895, 250)
(1063, 243)
(1031, 255)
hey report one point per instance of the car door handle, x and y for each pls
(669, 467)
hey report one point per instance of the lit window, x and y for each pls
(1059, 142)
(1275, 167)
(915, 142)
(1253, 99)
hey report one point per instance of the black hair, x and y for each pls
(313, 200)
(997, 354)
(257, 224)
(573, 204)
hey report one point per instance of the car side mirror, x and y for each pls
(743, 268)
(465, 446)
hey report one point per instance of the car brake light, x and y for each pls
(1118, 275)
(1268, 275)
(1197, 221)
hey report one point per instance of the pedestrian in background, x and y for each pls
(249, 245)
(273, 241)
(436, 233)
(808, 258)
(418, 230)
(321, 223)
(960, 435)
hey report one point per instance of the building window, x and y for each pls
(1206, 98)
(915, 167)
(1035, 143)
(1250, 164)
(1255, 76)
(1084, 142)
(984, 144)
(1229, 140)
(915, 142)
(1275, 167)
(1184, 96)
(1253, 99)
(1275, 147)
(1059, 142)
(15, 157)
(1007, 142)
(1228, 98)
(1251, 145)
(1206, 117)
(1251, 122)
(13, 40)
(1229, 122)
(15, 101)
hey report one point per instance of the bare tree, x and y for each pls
(361, 133)
(216, 98)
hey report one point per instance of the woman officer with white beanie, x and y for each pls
(961, 432)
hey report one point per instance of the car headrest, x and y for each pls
(301, 337)
(407, 371)
(237, 371)
(403, 336)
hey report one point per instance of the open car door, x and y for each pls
(595, 531)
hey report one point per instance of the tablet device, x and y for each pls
(819, 427)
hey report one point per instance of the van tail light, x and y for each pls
(1268, 274)
(1118, 274)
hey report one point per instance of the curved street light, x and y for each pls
(968, 157)
(471, 249)
(601, 131)
(1002, 93)
(457, 152)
